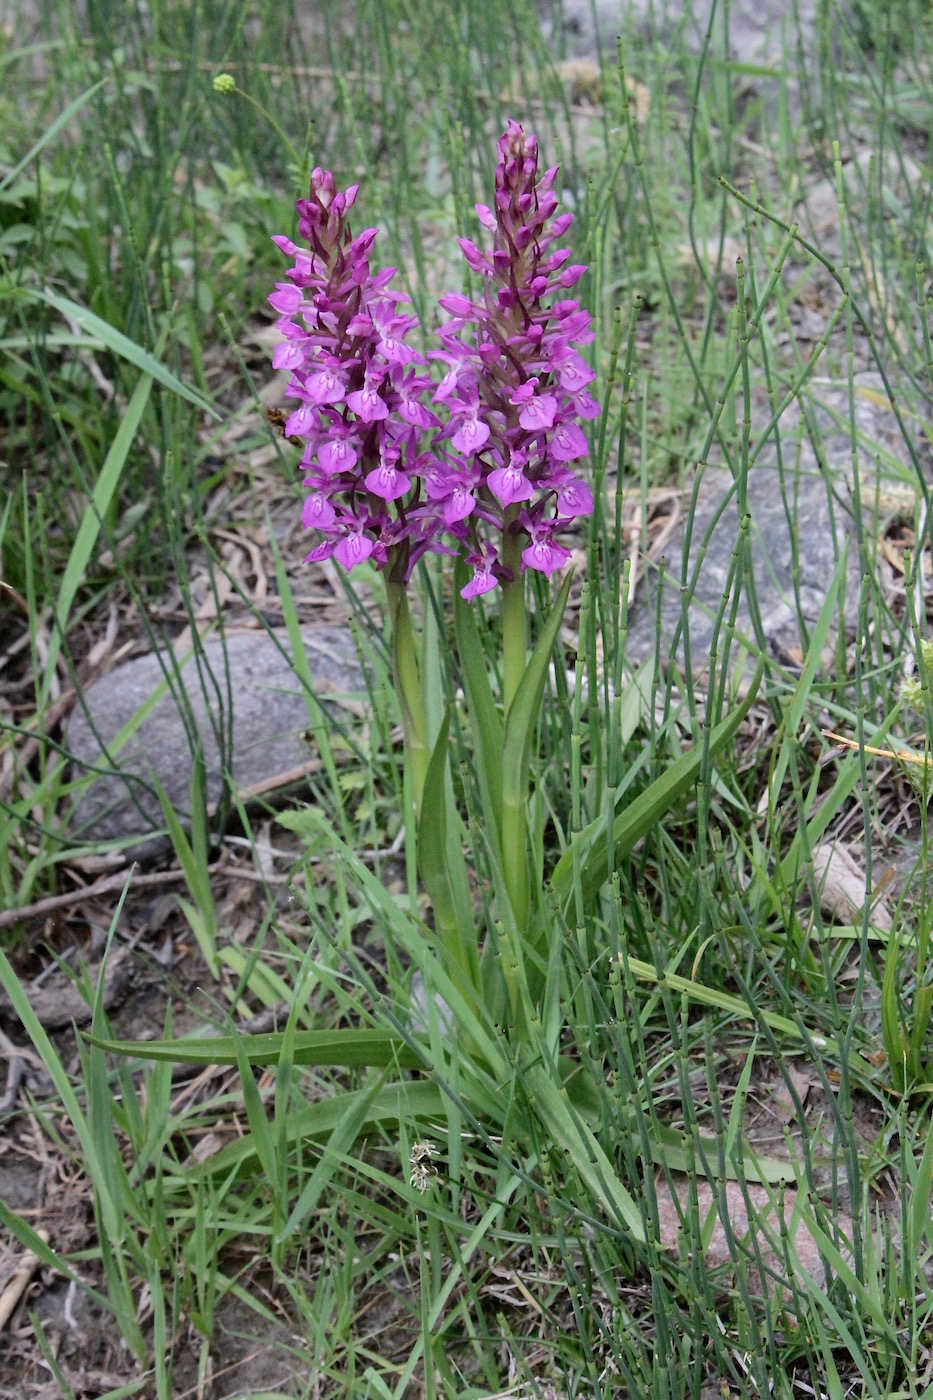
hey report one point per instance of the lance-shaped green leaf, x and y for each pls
(111, 1213)
(59, 124)
(119, 344)
(352, 1048)
(571, 1133)
(516, 754)
(95, 512)
(434, 855)
(645, 811)
(735, 1006)
(523, 714)
(487, 726)
(390, 1104)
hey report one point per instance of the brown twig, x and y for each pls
(16, 1068)
(105, 886)
(19, 1282)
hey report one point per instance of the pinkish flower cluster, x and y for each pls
(516, 386)
(513, 394)
(360, 388)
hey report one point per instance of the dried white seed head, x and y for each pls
(422, 1167)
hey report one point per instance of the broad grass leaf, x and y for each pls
(121, 345)
(104, 488)
(354, 1049)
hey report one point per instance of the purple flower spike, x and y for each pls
(361, 392)
(515, 386)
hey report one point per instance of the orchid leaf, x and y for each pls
(526, 706)
(578, 1140)
(432, 829)
(435, 854)
(409, 934)
(487, 726)
(516, 752)
(352, 1048)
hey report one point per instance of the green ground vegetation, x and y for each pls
(431, 1214)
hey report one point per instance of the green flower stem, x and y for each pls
(224, 84)
(408, 689)
(515, 860)
(514, 630)
(514, 659)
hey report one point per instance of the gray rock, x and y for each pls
(245, 705)
(810, 517)
(761, 32)
(773, 528)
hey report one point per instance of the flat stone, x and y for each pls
(761, 32)
(241, 699)
(798, 529)
(772, 548)
(751, 1211)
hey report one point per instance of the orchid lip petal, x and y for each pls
(353, 549)
(471, 436)
(483, 581)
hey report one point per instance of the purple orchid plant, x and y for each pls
(389, 480)
(480, 463)
(361, 390)
(516, 384)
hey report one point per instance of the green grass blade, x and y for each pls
(121, 345)
(112, 1218)
(725, 1001)
(60, 122)
(393, 1102)
(89, 528)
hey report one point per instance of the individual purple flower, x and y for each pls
(509, 484)
(318, 513)
(572, 496)
(543, 554)
(515, 386)
(483, 580)
(568, 442)
(472, 433)
(361, 391)
(451, 486)
(353, 549)
(386, 481)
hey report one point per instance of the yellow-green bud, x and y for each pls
(225, 82)
(911, 692)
